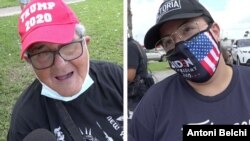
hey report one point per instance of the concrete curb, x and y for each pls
(160, 75)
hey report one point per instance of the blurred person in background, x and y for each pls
(137, 73)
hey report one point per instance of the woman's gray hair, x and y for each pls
(80, 30)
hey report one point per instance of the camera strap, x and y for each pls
(68, 122)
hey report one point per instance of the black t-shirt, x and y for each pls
(137, 60)
(98, 112)
(172, 103)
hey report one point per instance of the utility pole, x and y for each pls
(130, 27)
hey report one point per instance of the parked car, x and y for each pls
(241, 52)
(156, 54)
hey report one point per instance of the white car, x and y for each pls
(241, 52)
(156, 54)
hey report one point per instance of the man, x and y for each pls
(137, 70)
(204, 91)
(71, 96)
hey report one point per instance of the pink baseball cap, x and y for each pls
(46, 21)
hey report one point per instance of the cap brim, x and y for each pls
(152, 36)
(59, 34)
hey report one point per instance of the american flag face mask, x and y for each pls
(197, 58)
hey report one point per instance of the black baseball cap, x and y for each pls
(174, 10)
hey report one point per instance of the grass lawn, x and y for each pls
(104, 23)
(158, 66)
(8, 3)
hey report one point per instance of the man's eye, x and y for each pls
(168, 42)
(39, 48)
(42, 54)
(188, 29)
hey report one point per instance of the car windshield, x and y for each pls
(244, 42)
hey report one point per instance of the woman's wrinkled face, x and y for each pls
(65, 77)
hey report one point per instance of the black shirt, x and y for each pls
(172, 103)
(137, 59)
(98, 112)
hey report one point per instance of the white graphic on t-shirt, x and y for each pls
(201, 123)
(87, 135)
(59, 134)
(106, 135)
(130, 114)
(120, 118)
(115, 123)
(209, 122)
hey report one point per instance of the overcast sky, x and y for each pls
(233, 16)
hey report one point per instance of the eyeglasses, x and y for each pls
(68, 52)
(183, 33)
